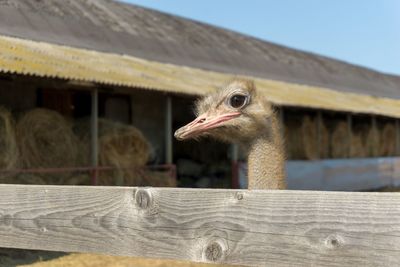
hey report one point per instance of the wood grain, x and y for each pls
(259, 228)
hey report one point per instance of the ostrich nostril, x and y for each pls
(202, 120)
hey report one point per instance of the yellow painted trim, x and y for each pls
(49, 60)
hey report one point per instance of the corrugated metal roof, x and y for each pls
(115, 27)
(49, 60)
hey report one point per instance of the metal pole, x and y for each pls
(349, 133)
(94, 135)
(168, 131)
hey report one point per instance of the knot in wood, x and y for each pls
(143, 198)
(333, 241)
(239, 196)
(214, 252)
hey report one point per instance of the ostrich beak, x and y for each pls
(202, 124)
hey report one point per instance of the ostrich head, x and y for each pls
(235, 113)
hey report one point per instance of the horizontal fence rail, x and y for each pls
(256, 228)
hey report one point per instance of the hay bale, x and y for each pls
(359, 140)
(325, 141)
(158, 179)
(136, 177)
(372, 142)
(119, 177)
(339, 144)
(46, 140)
(8, 144)
(357, 146)
(120, 145)
(48, 179)
(301, 138)
(77, 179)
(22, 178)
(387, 146)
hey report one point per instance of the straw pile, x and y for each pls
(158, 179)
(302, 139)
(118, 176)
(23, 178)
(357, 146)
(46, 179)
(8, 144)
(324, 146)
(121, 146)
(358, 141)
(136, 177)
(77, 179)
(46, 140)
(372, 142)
(339, 144)
(387, 146)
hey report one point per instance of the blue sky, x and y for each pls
(362, 32)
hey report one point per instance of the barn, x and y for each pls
(91, 92)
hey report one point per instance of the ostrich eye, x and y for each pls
(237, 101)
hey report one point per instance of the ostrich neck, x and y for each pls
(266, 160)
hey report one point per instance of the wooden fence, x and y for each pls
(260, 228)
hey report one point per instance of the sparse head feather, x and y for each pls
(254, 117)
(217, 98)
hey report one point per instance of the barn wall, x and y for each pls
(17, 95)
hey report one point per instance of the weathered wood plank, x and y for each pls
(260, 228)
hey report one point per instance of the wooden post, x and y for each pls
(168, 131)
(349, 133)
(319, 138)
(94, 135)
(235, 165)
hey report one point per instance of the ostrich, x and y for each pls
(238, 114)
